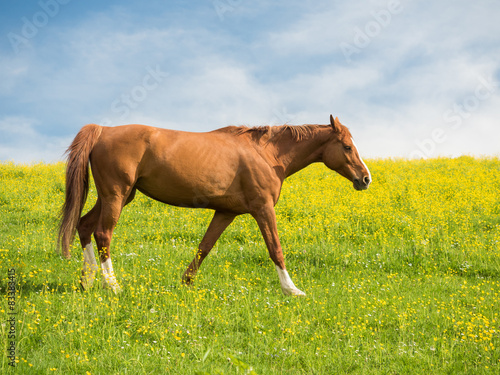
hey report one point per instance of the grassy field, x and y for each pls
(401, 279)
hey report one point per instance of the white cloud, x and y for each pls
(393, 93)
(23, 143)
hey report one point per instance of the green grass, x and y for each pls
(402, 278)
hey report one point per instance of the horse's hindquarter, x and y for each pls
(212, 170)
(116, 156)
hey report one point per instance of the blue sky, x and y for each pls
(410, 78)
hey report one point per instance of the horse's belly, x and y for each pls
(200, 189)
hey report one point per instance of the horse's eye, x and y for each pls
(347, 148)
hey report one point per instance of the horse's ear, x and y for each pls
(335, 124)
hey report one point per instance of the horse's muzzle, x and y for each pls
(361, 184)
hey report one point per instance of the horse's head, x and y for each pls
(342, 156)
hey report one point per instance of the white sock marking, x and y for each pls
(109, 279)
(90, 267)
(356, 147)
(287, 285)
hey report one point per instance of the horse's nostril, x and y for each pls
(366, 180)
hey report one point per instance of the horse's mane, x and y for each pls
(298, 132)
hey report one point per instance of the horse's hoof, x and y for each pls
(187, 280)
(294, 292)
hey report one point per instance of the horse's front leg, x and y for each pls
(218, 224)
(266, 218)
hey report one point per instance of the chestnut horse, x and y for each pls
(233, 171)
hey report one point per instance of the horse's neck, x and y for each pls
(296, 155)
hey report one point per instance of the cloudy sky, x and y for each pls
(410, 78)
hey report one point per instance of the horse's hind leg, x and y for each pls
(218, 224)
(109, 215)
(86, 227)
(110, 212)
